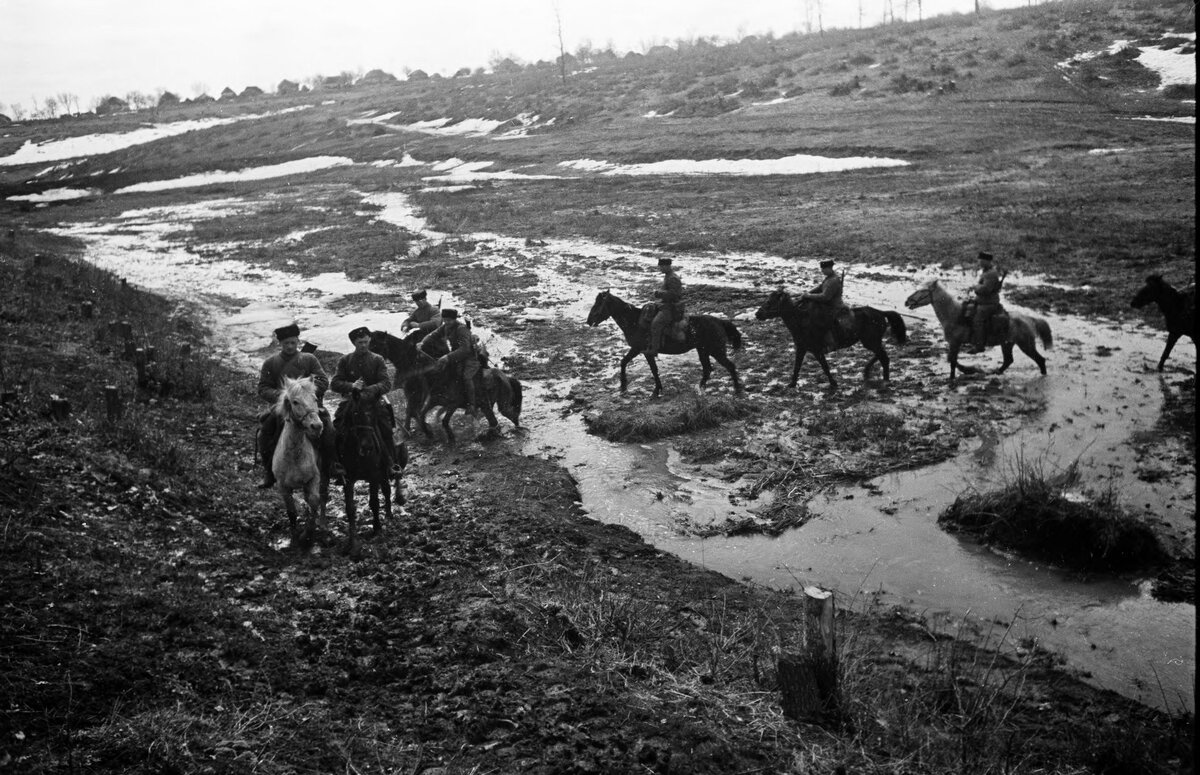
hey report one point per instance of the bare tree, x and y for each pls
(51, 107)
(562, 49)
(18, 111)
(860, 14)
(65, 99)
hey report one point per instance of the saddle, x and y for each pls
(997, 331)
(677, 330)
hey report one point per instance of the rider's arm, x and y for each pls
(343, 381)
(377, 382)
(823, 292)
(268, 382)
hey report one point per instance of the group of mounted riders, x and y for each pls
(363, 374)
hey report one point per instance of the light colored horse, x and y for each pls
(1023, 330)
(296, 463)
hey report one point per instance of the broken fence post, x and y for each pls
(60, 408)
(112, 403)
(808, 679)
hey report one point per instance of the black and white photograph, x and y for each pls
(563, 387)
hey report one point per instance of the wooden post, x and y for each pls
(151, 352)
(130, 350)
(85, 309)
(60, 408)
(125, 329)
(808, 679)
(139, 363)
(112, 403)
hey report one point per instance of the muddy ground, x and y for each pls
(157, 621)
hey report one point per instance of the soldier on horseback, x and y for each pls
(424, 316)
(364, 375)
(670, 307)
(289, 362)
(462, 355)
(986, 303)
(830, 312)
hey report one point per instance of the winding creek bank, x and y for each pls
(877, 536)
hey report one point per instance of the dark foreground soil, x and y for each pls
(156, 620)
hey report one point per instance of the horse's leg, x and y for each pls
(722, 358)
(801, 351)
(629, 356)
(1030, 349)
(657, 382)
(386, 486)
(820, 356)
(447, 413)
(705, 366)
(490, 414)
(1172, 338)
(351, 516)
(312, 497)
(289, 506)
(1006, 348)
(374, 501)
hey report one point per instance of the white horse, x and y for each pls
(296, 463)
(1022, 330)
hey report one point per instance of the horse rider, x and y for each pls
(827, 300)
(670, 308)
(364, 374)
(462, 354)
(987, 301)
(424, 317)
(289, 362)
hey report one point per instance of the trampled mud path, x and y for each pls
(1099, 405)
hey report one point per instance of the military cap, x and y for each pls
(664, 262)
(418, 295)
(826, 262)
(985, 256)
(287, 332)
(360, 331)
(450, 314)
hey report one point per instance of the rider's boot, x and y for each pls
(268, 480)
(469, 392)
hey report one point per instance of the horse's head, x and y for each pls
(361, 426)
(1150, 292)
(298, 404)
(922, 296)
(600, 311)
(379, 342)
(773, 307)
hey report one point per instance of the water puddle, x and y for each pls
(880, 538)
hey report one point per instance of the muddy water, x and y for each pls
(881, 538)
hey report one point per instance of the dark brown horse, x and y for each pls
(1178, 307)
(426, 385)
(870, 325)
(365, 457)
(706, 334)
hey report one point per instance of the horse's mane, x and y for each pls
(293, 389)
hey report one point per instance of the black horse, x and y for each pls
(365, 457)
(706, 334)
(870, 325)
(426, 385)
(1178, 307)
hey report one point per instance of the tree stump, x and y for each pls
(808, 678)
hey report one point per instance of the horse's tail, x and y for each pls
(1043, 331)
(899, 329)
(735, 336)
(515, 385)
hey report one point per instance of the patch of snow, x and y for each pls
(799, 164)
(56, 195)
(91, 145)
(1170, 119)
(250, 173)
(1106, 151)
(382, 119)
